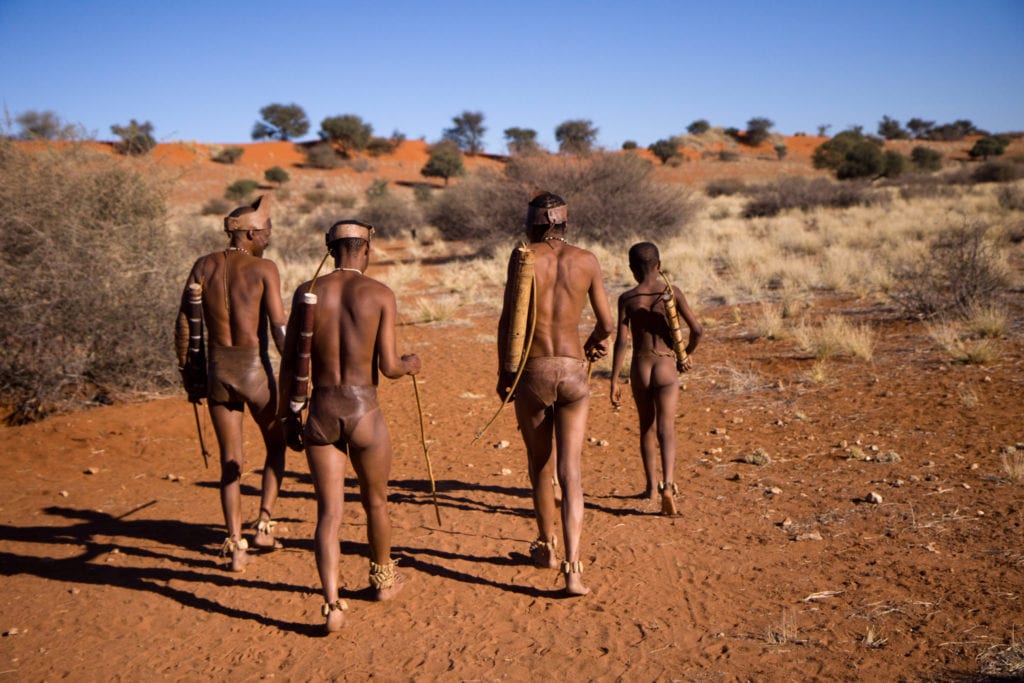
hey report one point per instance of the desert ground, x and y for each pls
(878, 535)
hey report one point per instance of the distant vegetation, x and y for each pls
(136, 138)
(468, 132)
(281, 122)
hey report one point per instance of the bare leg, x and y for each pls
(370, 448)
(639, 383)
(571, 423)
(537, 424)
(227, 423)
(273, 474)
(666, 396)
(327, 467)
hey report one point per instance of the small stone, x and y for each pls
(602, 442)
(11, 632)
(809, 536)
(735, 476)
(718, 430)
(759, 457)
(63, 494)
(772, 491)
(889, 456)
(873, 498)
(591, 439)
(966, 486)
(92, 470)
(737, 420)
(505, 471)
(975, 465)
(502, 444)
(787, 522)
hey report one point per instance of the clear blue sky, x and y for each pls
(643, 70)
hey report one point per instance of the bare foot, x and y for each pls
(386, 581)
(264, 537)
(574, 579)
(543, 554)
(334, 612)
(668, 500)
(237, 550)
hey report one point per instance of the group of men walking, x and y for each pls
(340, 336)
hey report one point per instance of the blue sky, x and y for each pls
(641, 70)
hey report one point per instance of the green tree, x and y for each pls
(629, 145)
(920, 128)
(851, 155)
(890, 129)
(240, 189)
(136, 138)
(521, 141)
(445, 161)
(348, 131)
(698, 127)
(664, 149)
(758, 129)
(468, 131)
(989, 146)
(576, 136)
(894, 164)
(44, 125)
(277, 175)
(281, 122)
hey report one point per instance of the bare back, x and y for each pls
(353, 330)
(566, 277)
(643, 310)
(240, 293)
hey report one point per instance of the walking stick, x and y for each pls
(426, 453)
(202, 443)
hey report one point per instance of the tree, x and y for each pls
(664, 149)
(349, 132)
(893, 164)
(629, 145)
(757, 130)
(920, 128)
(890, 129)
(823, 129)
(698, 127)
(851, 155)
(989, 146)
(468, 131)
(445, 161)
(44, 125)
(136, 138)
(576, 136)
(281, 122)
(521, 141)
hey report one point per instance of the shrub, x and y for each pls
(377, 189)
(894, 164)
(1011, 198)
(780, 151)
(806, 194)
(989, 146)
(997, 171)
(521, 141)
(240, 189)
(698, 127)
(445, 161)
(468, 131)
(276, 174)
(576, 136)
(607, 194)
(890, 129)
(228, 155)
(322, 156)
(86, 309)
(926, 158)
(216, 207)
(629, 145)
(45, 125)
(349, 131)
(664, 149)
(758, 129)
(378, 147)
(724, 187)
(136, 138)
(391, 214)
(962, 273)
(863, 160)
(726, 155)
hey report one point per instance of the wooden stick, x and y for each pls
(426, 453)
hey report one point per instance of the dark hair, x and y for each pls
(547, 200)
(643, 256)
(348, 244)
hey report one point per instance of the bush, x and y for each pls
(281, 122)
(894, 164)
(136, 138)
(228, 155)
(863, 160)
(240, 189)
(664, 149)
(726, 187)
(609, 195)
(998, 171)
(926, 158)
(91, 281)
(758, 129)
(804, 194)
(1011, 198)
(780, 151)
(349, 131)
(989, 146)
(445, 161)
(322, 156)
(726, 155)
(698, 127)
(391, 214)
(961, 273)
(629, 145)
(216, 207)
(576, 136)
(378, 147)
(276, 174)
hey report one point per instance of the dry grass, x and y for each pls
(1012, 460)
(1005, 661)
(986, 321)
(435, 309)
(836, 335)
(769, 324)
(951, 337)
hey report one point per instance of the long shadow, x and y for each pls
(419, 494)
(83, 569)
